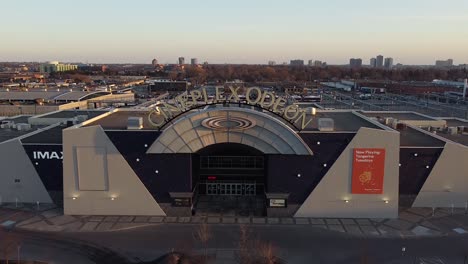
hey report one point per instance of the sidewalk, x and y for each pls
(411, 222)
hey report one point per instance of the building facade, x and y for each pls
(297, 63)
(289, 161)
(388, 63)
(55, 66)
(379, 61)
(181, 60)
(355, 63)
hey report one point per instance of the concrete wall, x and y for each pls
(12, 110)
(117, 179)
(15, 164)
(74, 105)
(425, 123)
(447, 184)
(328, 198)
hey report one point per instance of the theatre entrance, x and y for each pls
(229, 180)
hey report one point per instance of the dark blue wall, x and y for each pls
(413, 171)
(174, 170)
(282, 170)
(49, 170)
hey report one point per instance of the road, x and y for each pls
(296, 244)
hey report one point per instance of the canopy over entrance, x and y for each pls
(201, 129)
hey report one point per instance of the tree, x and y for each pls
(203, 234)
(9, 244)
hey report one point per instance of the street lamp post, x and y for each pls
(18, 257)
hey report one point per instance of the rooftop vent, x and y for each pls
(326, 124)
(389, 121)
(462, 129)
(23, 126)
(452, 130)
(134, 123)
(81, 118)
(7, 124)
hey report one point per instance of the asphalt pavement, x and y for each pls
(419, 235)
(295, 244)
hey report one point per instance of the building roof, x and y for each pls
(452, 122)
(52, 135)
(65, 114)
(460, 137)
(397, 115)
(118, 120)
(79, 95)
(49, 95)
(343, 120)
(28, 96)
(410, 137)
(11, 133)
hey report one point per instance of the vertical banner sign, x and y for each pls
(368, 171)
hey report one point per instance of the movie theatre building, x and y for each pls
(243, 160)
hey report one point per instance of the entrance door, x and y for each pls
(250, 189)
(212, 189)
(236, 189)
(230, 188)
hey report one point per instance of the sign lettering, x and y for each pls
(368, 171)
(47, 155)
(253, 96)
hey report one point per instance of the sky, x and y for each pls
(236, 31)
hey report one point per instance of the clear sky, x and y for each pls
(236, 31)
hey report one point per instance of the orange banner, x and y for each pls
(368, 171)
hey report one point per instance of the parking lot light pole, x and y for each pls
(18, 257)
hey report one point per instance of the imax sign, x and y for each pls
(48, 155)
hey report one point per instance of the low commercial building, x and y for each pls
(55, 66)
(239, 157)
(36, 102)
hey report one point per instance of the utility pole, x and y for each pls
(465, 83)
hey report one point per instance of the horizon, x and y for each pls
(243, 32)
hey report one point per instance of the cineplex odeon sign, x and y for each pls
(254, 96)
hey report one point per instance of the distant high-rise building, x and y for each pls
(379, 61)
(444, 63)
(318, 63)
(388, 63)
(181, 60)
(373, 62)
(271, 63)
(310, 63)
(194, 61)
(355, 63)
(297, 63)
(154, 62)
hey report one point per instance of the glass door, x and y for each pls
(249, 189)
(211, 189)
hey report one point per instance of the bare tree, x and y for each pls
(203, 234)
(266, 252)
(8, 244)
(253, 250)
(244, 256)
